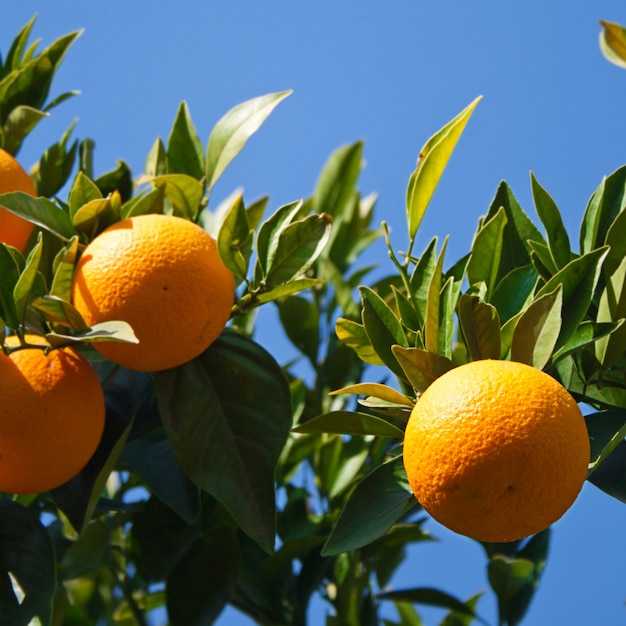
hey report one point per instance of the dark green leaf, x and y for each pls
(514, 291)
(234, 240)
(484, 262)
(611, 308)
(610, 475)
(27, 574)
(9, 276)
(215, 426)
(606, 430)
(300, 321)
(428, 596)
(120, 179)
(377, 502)
(55, 165)
(23, 292)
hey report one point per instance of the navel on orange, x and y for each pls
(162, 275)
(51, 417)
(14, 230)
(496, 450)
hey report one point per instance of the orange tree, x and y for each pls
(233, 479)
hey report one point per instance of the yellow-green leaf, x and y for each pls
(613, 42)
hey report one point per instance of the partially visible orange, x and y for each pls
(51, 417)
(14, 230)
(162, 275)
(496, 450)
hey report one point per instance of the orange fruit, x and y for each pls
(14, 230)
(162, 275)
(51, 417)
(496, 450)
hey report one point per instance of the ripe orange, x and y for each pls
(51, 417)
(496, 450)
(14, 230)
(162, 275)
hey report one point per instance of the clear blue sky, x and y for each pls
(390, 73)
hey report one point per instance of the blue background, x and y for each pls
(390, 73)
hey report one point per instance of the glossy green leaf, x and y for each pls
(144, 203)
(609, 475)
(611, 308)
(41, 212)
(349, 423)
(377, 502)
(105, 331)
(484, 262)
(214, 424)
(480, 324)
(27, 576)
(283, 291)
(234, 240)
(432, 161)
(19, 123)
(538, 330)
(353, 335)
(421, 279)
(118, 180)
(156, 161)
(558, 239)
(64, 263)
(421, 367)
(578, 279)
(91, 217)
(514, 291)
(55, 165)
(510, 578)
(588, 332)
(383, 328)
(185, 154)
(613, 42)
(298, 247)
(542, 259)
(233, 130)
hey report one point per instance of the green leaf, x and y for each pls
(156, 161)
(514, 291)
(183, 191)
(336, 185)
(480, 324)
(353, 335)
(537, 330)
(613, 42)
(215, 426)
(267, 239)
(421, 279)
(105, 331)
(64, 270)
(612, 307)
(233, 130)
(300, 320)
(28, 573)
(510, 578)
(40, 212)
(578, 279)
(432, 161)
(349, 423)
(59, 311)
(603, 207)
(23, 292)
(558, 239)
(118, 180)
(428, 596)
(432, 337)
(55, 165)
(484, 262)
(184, 148)
(83, 191)
(234, 240)
(606, 430)
(144, 203)
(9, 276)
(19, 123)
(587, 333)
(376, 390)
(542, 259)
(377, 502)
(282, 291)
(609, 475)
(298, 247)
(383, 328)
(421, 367)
